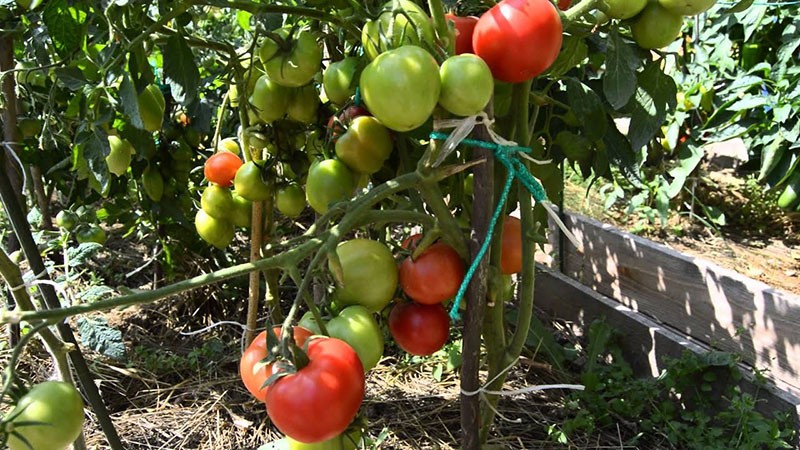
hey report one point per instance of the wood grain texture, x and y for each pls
(646, 344)
(711, 304)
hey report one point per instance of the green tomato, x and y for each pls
(153, 183)
(303, 104)
(296, 66)
(242, 211)
(623, 9)
(369, 272)
(49, 417)
(328, 181)
(656, 27)
(687, 7)
(401, 87)
(151, 107)
(216, 232)
(291, 200)
(346, 441)
(365, 145)
(217, 202)
(269, 99)
(418, 31)
(308, 322)
(230, 145)
(90, 233)
(467, 85)
(340, 80)
(67, 219)
(356, 326)
(249, 183)
(119, 158)
(30, 128)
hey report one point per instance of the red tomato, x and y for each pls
(564, 4)
(511, 256)
(320, 400)
(434, 277)
(518, 39)
(253, 373)
(419, 329)
(221, 167)
(464, 28)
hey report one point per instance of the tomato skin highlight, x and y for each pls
(434, 276)
(518, 39)
(418, 329)
(511, 253)
(254, 374)
(465, 27)
(221, 167)
(320, 400)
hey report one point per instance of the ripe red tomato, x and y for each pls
(511, 256)
(221, 167)
(253, 373)
(518, 39)
(465, 26)
(434, 276)
(320, 400)
(419, 329)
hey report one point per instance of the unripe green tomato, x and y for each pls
(291, 200)
(328, 181)
(249, 184)
(308, 322)
(216, 232)
(467, 84)
(242, 211)
(622, 9)
(370, 274)
(151, 108)
(66, 219)
(49, 417)
(303, 104)
(153, 183)
(296, 67)
(90, 233)
(356, 326)
(346, 441)
(365, 145)
(230, 145)
(269, 99)
(340, 80)
(119, 158)
(656, 27)
(217, 202)
(687, 7)
(30, 128)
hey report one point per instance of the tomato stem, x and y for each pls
(575, 13)
(444, 33)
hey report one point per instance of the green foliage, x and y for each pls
(100, 337)
(694, 403)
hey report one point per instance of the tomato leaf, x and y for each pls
(180, 69)
(100, 337)
(655, 96)
(93, 143)
(129, 100)
(771, 156)
(619, 81)
(66, 24)
(588, 108)
(619, 152)
(71, 77)
(574, 50)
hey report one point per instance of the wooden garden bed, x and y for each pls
(664, 302)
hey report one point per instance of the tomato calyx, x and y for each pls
(284, 354)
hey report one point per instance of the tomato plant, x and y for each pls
(434, 276)
(518, 39)
(419, 329)
(401, 87)
(49, 417)
(254, 371)
(356, 326)
(365, 145)
(464, 26)
(221, 167)
(318, 401)
(369, 274)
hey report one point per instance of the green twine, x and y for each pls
(506, 155)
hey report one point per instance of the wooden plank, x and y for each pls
(714, 305)
(646, 344)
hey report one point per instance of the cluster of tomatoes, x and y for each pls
(655, 24)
